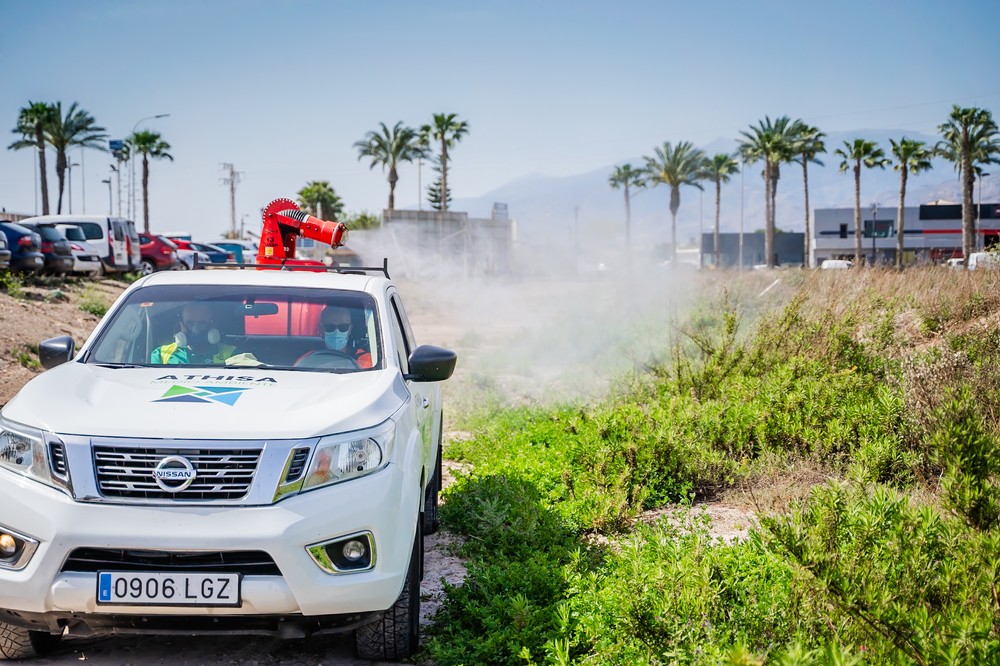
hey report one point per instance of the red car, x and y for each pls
(157, 254)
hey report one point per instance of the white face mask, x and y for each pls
(335, 340)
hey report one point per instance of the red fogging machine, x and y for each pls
(283, 223)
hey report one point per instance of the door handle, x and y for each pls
(424, 402)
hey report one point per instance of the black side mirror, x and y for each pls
(431, 364)
(55, 351)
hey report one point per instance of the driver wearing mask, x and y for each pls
(336, 326)
(197, 341)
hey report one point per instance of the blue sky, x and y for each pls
(284, 89)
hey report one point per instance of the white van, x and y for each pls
(114, 239)
(983, 260)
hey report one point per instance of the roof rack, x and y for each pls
(344, 270)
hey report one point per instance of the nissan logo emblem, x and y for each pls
(174, 473)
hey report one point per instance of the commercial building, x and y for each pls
(932, 233)
(787, 249)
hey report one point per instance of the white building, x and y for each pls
(932, 233)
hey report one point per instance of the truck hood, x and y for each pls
(178, 402)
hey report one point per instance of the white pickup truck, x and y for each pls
(253, 451)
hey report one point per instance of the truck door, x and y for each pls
(424, 394)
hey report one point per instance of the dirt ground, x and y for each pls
(529, 342)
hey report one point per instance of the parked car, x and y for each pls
(86, 259)
(836, 264)
(4, 253)
(25, 248)
(55, 247)
(245, 251)
(113, 238)
(190, 259)
(157, 254)
(216, 255)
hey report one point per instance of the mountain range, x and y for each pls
(549, 208)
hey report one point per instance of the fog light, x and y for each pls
(352, 553)
(8, 546)
(354, 550)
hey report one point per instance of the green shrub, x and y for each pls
(896, 577)
(969, 456)
(27, 357)
(12, 283)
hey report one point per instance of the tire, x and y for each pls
(147, 267)
(432, 516)
(396, 635)
(20, 643)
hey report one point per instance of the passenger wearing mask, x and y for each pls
(198, 341)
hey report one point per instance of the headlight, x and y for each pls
(342, 457)
(25, 451)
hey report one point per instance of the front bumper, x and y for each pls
(42, 592)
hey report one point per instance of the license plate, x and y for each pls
(131, 588)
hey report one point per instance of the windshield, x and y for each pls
(203, 326)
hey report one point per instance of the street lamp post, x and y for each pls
(701, 228)
(979, 207)
(107, 181)
(83, 184)
(131, 159)
(69, 182)
(874, 221)
(742, 164)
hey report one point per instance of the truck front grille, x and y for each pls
(248, 562)
(219, 473)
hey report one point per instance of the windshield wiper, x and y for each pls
(121, 365)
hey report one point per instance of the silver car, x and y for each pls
(86, 260)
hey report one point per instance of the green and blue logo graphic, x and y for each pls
(227, 395)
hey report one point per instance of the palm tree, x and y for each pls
(32, 122)
(912, 157)
(859, 153)
(771, 142)
(806, 146)
(627, 177)
(319, 199)
(718, 169)
(388, 148)
(969, 139)
(447, 129)
(76, 128)
(675, 166)
(148, 144)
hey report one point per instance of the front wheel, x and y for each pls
(396, 634)
(20, 643)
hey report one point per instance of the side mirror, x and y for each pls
(431, 364)
(55, 351)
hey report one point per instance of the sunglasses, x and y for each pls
(329, 327)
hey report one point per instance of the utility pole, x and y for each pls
(232, 178)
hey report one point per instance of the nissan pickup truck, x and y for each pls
(238, 451)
